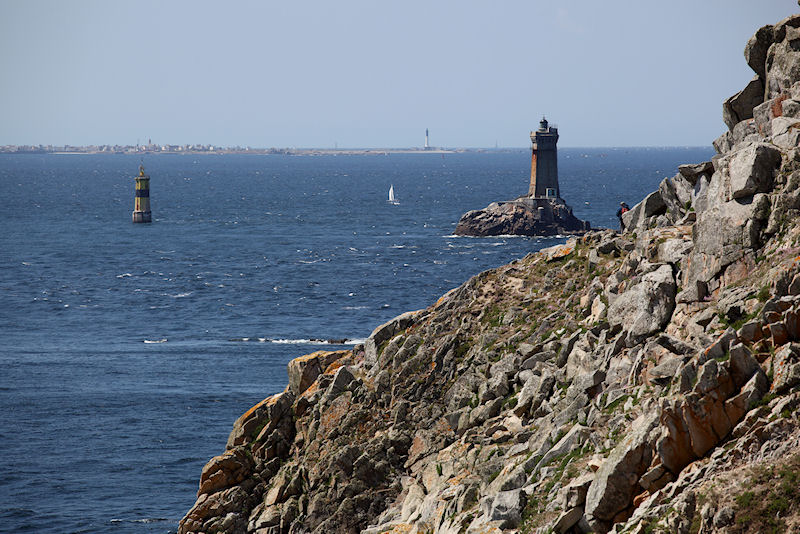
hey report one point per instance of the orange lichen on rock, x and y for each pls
(269, 401)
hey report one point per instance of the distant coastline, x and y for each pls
(213, 149)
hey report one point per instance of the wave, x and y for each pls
(302, 341)
(502, 236)
(146, 520)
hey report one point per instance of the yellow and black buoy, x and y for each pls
(141, 209)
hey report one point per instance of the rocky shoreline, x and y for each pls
(640, 382)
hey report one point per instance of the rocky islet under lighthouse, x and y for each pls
(542, 211)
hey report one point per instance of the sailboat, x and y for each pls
(392, 199)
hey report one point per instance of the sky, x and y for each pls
(346, 73)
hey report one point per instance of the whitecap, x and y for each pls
(124, 275)
(181, 295)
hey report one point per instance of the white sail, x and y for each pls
(391, 195)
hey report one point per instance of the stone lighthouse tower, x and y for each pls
(544, 162)
(141, 207)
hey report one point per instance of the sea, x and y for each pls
(127, 350)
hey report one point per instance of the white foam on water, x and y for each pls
(301, 341)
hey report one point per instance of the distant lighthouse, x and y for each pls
(544, 162)
(141, 208)
(427, 146)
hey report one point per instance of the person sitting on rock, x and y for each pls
(623, 207)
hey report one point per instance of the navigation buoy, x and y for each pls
(141, 208)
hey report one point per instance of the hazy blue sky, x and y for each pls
(373, 73)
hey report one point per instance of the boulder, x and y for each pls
(782, 63)
(751, 170)
(224, 471)
(674, 250)
(751, 394)
(268, 413)
(667, 369)
(750, 332)
(741, 365)
(638, 216)
(647, 306)
(505, 506)
(676, 192)
(567, 520)
(740, 106)
(723, 143)
(713, 376)
(341, 380)
(693, 171)
(386, 331)
(674, 447)
(786, 131)
(463, 390)
(574, 494)
(728, 227)
(616, 482)
(558, 252)
(533, 393)
(763, 114)
(755, 51)
(303, 371)
(572, 440)
(786, 368)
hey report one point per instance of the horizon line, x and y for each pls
(240, 148)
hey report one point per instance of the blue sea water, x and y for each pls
(129, 350)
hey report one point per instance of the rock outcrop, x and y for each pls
(639, 382)
(523, 216)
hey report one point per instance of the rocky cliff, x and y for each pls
(639, 382)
